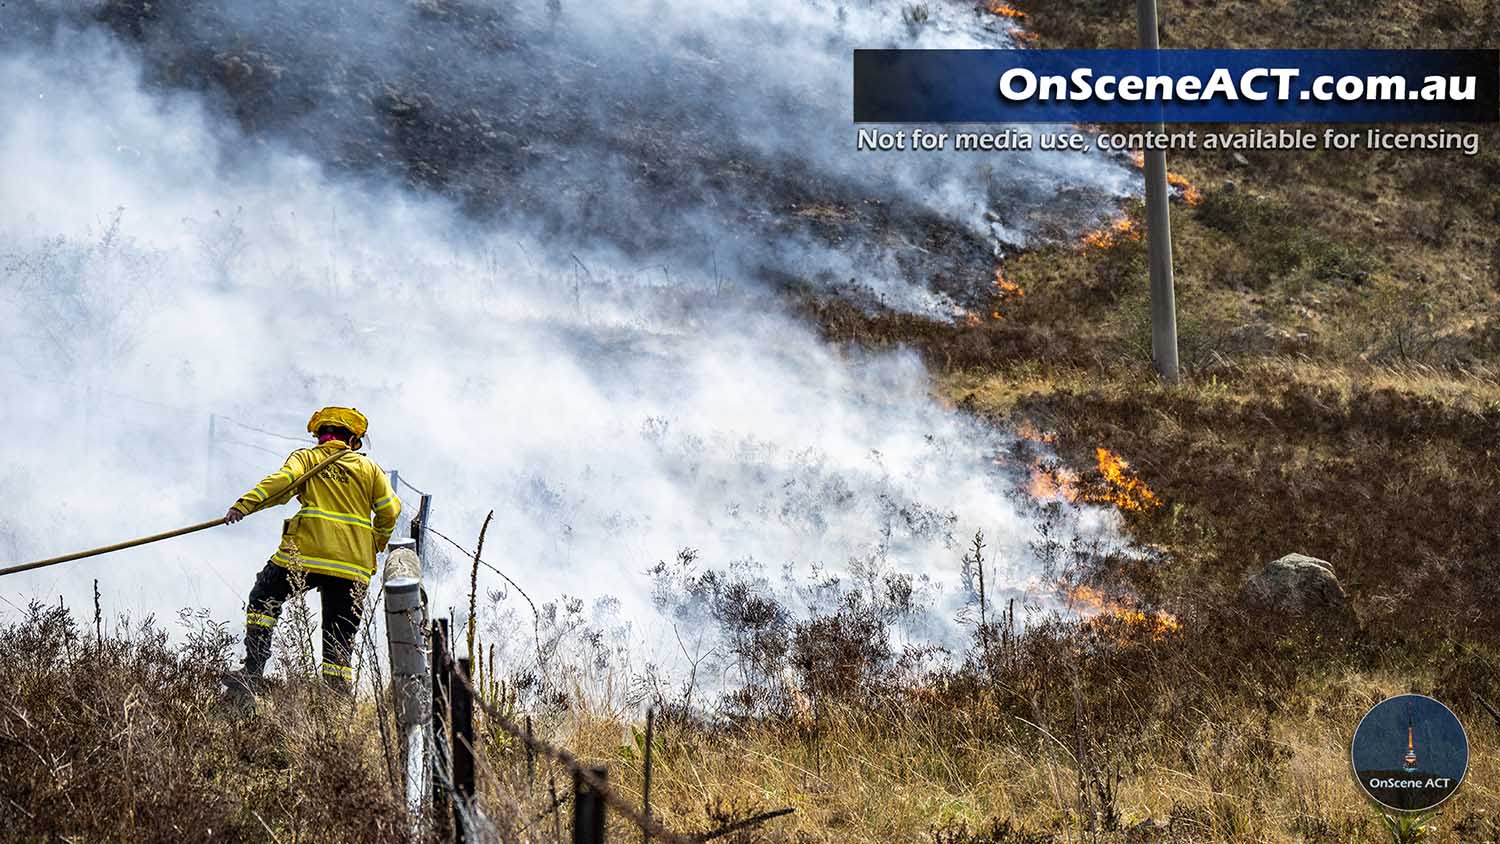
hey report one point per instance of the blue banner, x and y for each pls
(1176, 86)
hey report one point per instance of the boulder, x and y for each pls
(1299, 587)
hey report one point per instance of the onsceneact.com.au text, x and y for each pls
(1255, 84)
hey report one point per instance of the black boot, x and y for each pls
(242, 685)
(257, 651)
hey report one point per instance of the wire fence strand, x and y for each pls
(649, 825)
(536, 616)
(578, 769)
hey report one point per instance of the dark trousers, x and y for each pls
(343, 603)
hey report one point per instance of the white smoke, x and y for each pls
(161, 269)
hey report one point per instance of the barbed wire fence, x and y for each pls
(450, 736)
(439, 781)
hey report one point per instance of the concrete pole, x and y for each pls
(1158, 228)
(405, 630)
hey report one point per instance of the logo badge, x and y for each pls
(1410, 753)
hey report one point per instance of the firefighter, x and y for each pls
(347, 515)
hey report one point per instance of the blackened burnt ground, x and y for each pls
(662, 143)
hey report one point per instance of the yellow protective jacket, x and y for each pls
(333, 533)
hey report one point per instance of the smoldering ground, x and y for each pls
(725, 126)
(615, 400)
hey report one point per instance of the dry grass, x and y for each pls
(1385, 256)
(1060, 732)
(124, 738)
(1341, 400)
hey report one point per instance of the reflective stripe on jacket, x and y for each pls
(334, 532)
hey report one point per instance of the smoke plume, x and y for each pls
(213, 223)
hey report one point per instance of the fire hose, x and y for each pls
(182, 531)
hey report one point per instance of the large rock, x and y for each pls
(1299, 587)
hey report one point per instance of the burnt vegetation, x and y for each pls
(1338, 331)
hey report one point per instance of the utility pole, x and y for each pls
(1158, 225)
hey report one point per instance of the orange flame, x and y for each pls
(1053, 483)
(1190, 194)
(1004, 10)
(1121, 231)
(1005, 290)
(1098, 608)
(1186, 189)
(1030, 432)
(1049, 481)
(1005, 285)
(1125, 490)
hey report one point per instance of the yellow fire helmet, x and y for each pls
(344, 417)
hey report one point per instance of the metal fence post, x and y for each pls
(461, 715)
(588, 809)
(405, 629)
(419, 525)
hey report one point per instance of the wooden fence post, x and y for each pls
(588, 809)
(461, 716)
(646, 775)
(530, 756)
(441, 683)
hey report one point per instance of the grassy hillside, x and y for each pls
(1340, 400)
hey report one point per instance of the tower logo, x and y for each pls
(1409, 753)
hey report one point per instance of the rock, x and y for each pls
(1239, 160)
(1299, 587)
(1229, 186)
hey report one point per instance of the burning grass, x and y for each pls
(1125, 229)
(1122, 488)
(1164, 713)
(1004, 10)
(1185, 188)
(1112, 483)
(1333, 460)
(1101, 610)
(1005, 293)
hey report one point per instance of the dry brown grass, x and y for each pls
(1341, 400)
(1342, 256)
(124, 738)
(1065, 734)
